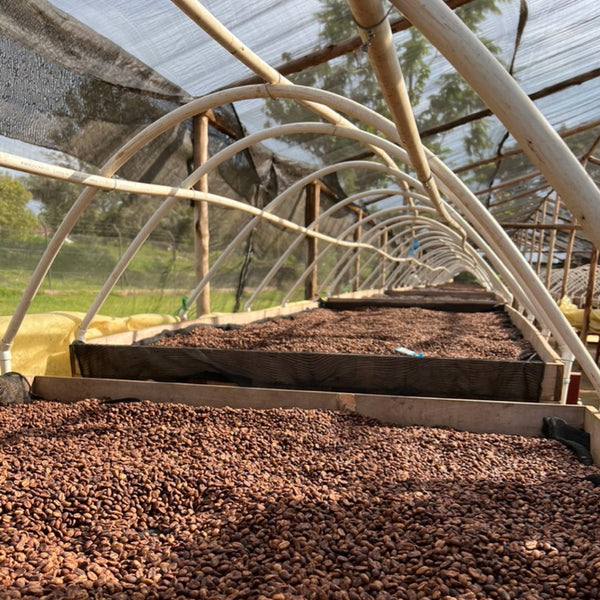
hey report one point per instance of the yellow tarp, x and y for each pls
(41, 347)
(575, 316)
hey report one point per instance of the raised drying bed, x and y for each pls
(535, 377)
(192, 492)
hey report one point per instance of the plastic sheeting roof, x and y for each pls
(559, 46)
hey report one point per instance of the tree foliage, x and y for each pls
(111, 213)
(17, 221)
(351, 76)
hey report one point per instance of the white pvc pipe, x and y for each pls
(498, 240)
(320, 219)
(344, 259)
(496, 87)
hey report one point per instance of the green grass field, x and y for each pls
(155, 282)
(122, 303)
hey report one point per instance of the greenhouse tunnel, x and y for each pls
(294, 181)
(300, 299)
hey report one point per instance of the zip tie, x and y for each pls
(268, 90)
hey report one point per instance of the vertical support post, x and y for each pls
(383, 244)
(311, 212)
(589, 295)
(531, 244)
(357, 239)
(567, 265)
(541, 237)
(201, 224)
(552, 242)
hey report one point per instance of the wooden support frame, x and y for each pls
(467, 415)
(358, 239)
(567, 265)
(201, 219)
(589, 295)
(311, 214)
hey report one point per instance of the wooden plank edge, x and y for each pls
(592, 425)
(215, 319)
(478, 416)
(533, 336)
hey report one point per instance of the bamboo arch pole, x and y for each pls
(544, 147)
(376, 34)
(213, 27)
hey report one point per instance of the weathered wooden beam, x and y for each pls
(550, 226)
(331, 51)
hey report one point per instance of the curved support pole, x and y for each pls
(441, 256)
(448, 256)
(344, 259)
(497, 88)
(322, 217)
(440, 240)
(343, 264)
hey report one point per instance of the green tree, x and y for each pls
(110, 214)
(17, 221)
(351, 76)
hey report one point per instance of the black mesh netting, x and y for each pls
(64, 87)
